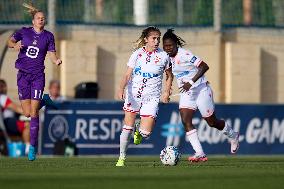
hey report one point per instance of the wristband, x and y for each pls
(191, 82)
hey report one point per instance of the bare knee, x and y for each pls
(129, 119)
(34, 113)
(211, 122)
(186, 119)
(27, 113)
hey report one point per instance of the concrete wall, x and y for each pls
(113, 48)
(254, 66)
(79, 64)
(245, 64)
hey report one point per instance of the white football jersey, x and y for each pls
(148, 69)
(184, 67)
(5, 101)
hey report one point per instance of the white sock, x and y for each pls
(192, 137)
(27, 147)
(228, 131)
(124, 140)
(144, 134)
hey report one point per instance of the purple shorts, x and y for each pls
(30, 86)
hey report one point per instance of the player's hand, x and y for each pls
(185, 87)
(120, 94)
(58, 62)
(166, 97)
(18, 46)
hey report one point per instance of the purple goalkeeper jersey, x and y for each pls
(35, 46)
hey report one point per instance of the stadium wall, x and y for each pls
(245, 64)
(95, 127)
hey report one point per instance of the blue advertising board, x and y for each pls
(95, 128)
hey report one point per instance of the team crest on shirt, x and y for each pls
(157, 59)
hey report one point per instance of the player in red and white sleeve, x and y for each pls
(195, 93)
(12, 124)
(141, 88)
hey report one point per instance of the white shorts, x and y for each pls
(145, 106)
(200, 97)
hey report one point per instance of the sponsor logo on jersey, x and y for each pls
(32, 52)
(182, 74)
(148, 75)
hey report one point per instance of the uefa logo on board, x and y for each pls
(58, 128)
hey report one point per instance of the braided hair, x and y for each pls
(140, 42)
(171, 35)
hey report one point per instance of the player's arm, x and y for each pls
(202, 68)
(12, 43)
(125, 79)
(53, 57)
(168, 85)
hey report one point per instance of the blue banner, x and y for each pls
(95, 127)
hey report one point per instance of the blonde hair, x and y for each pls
(31, 9)
(140, 42)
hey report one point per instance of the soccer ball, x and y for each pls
(170, 155)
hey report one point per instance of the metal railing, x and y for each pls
(262, 13)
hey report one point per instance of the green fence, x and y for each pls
(264, 13)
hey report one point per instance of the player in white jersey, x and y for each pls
(141, 88)
(195, 93)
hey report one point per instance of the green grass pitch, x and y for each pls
(143, 172)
